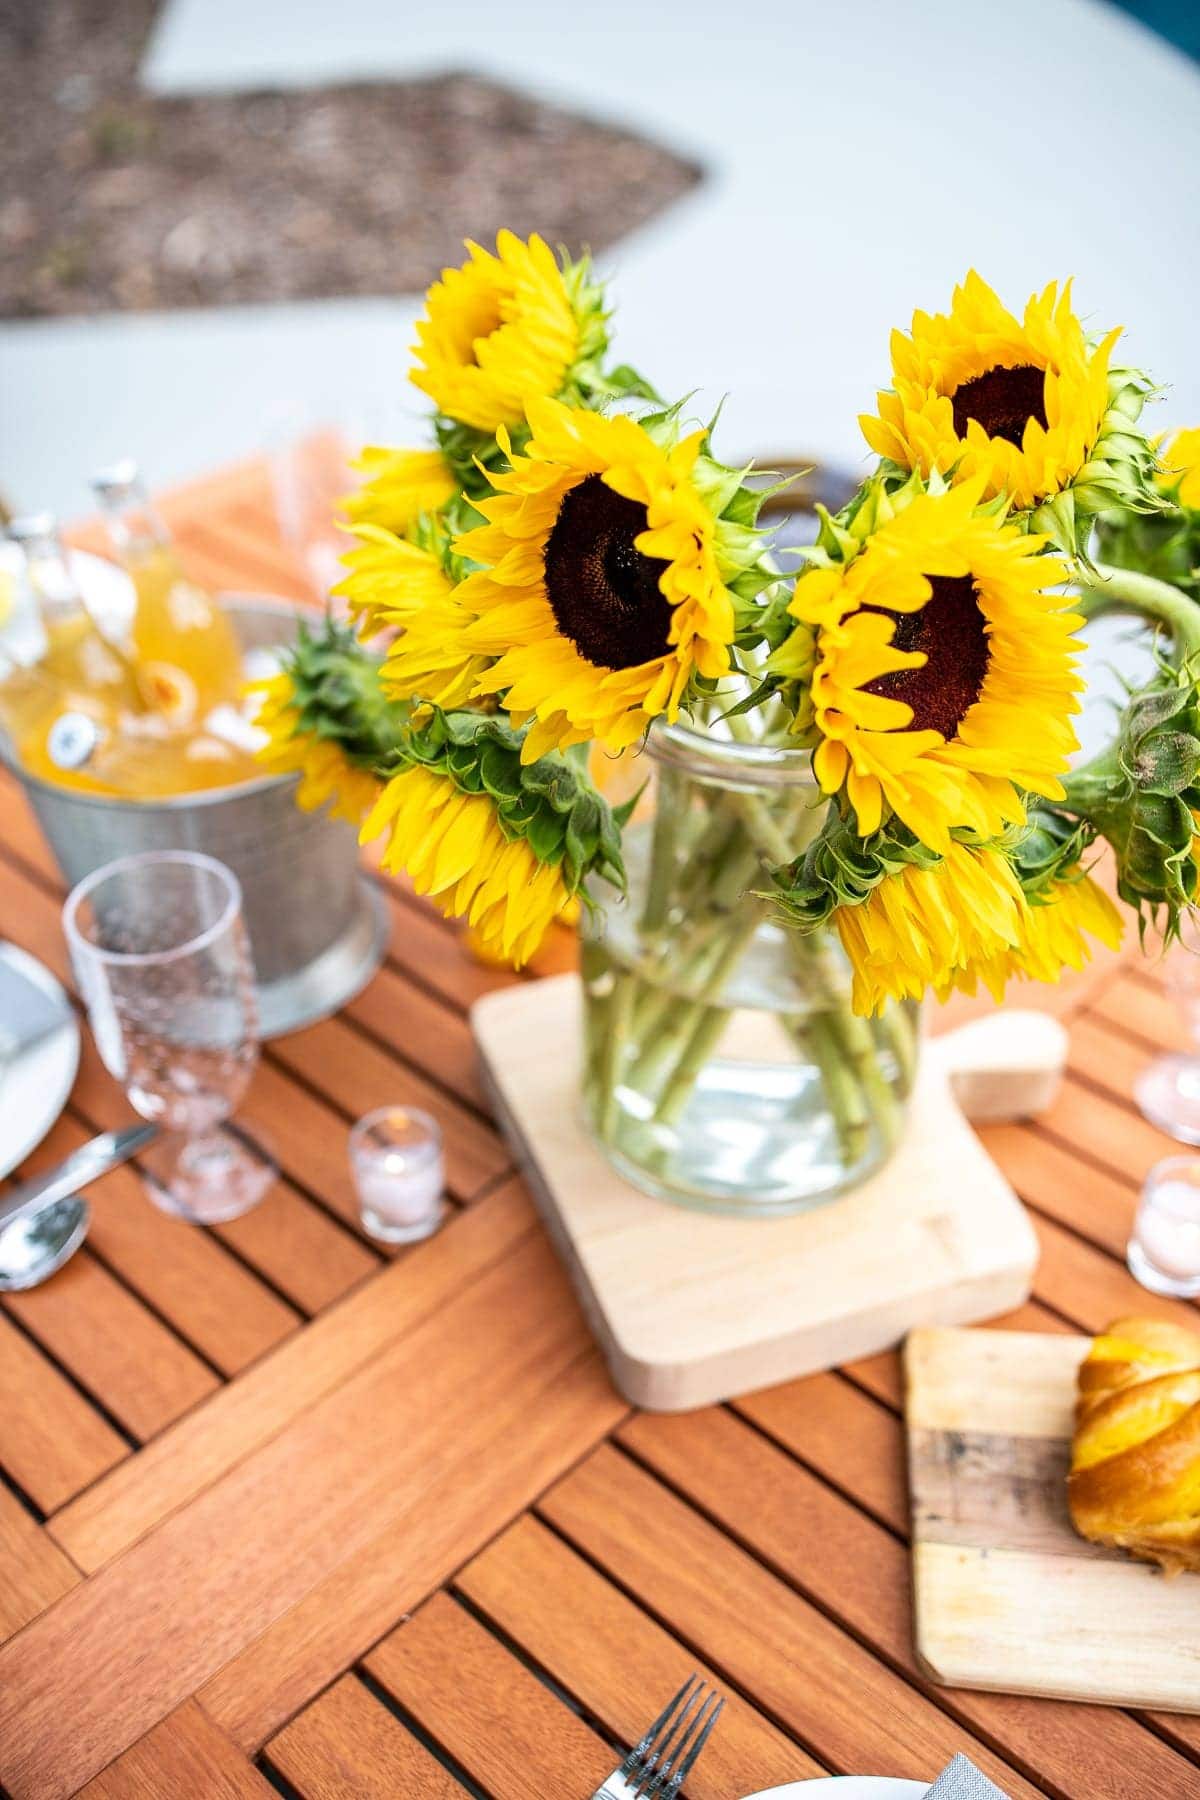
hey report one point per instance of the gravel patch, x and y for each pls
(114, 199)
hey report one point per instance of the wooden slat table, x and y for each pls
(281, 1512)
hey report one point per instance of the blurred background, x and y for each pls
(217, 216)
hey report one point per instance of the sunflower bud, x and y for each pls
(325, 720)
(1047, 849)
(1165, 544)
(1142, 795)
(336, 697)
(550, 803)
(839, 868)
(504, 844)
(1119, 471)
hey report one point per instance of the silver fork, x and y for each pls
(657, 1767)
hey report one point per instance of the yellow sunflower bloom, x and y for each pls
(937, 927)
(389, 579)
(327, 776)
(453, 848)
(944, 675)
(604, 587)
(497, 332)
(1017, 403)
(1179, 468)
(1056, 929)
(399, 487)
(395, 585)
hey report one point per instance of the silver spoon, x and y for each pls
(44, 1221)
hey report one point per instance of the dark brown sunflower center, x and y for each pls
(949, 628)
(1003, 401)
(603, 592)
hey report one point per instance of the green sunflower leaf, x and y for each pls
(551, 803)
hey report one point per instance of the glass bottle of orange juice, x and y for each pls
(186, 652)
(54, 657)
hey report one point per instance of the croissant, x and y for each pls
(1135, 1462)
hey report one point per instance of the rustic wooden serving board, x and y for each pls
(1006, 1596)
(692, 1308)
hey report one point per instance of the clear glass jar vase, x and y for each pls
(723, 1066)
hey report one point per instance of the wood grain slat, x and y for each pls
(312, 1149)
(489, 1713)
(294, 1244)
(431, 949)
(23, 835)
(244, 1416)
(1091, 1289)
(347, 1743)
(860, 1574)
(1103, 1132)
(298, 1248)
(207, 1297)
(32, 919)
(834, 1427)
(847, 1708)
(425, 1032)
(357, 1075)
(1105, 1057)
(113, 1346)
(1142, 1010)
(1048, 1175)
(281, 1535)
(34, 1572)
(183, 1756)
(543, 1422)
(52, 1443)
(616, 1660)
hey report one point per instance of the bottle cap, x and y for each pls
(116, 478)
(72, 740)
(31, 528)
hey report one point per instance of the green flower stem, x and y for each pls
(668, 819)
(895, 1026)
(773, 844)
(816, 1040)
(1129, 591)
(732, 872)
(853, 1038)
(702, 1040)
(666, 1016)
(617, 1037)
(704, 1021)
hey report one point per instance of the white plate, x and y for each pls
(847, 1787)
(35, 1084)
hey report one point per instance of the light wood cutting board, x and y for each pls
(691, 1308)
(1006, 1596)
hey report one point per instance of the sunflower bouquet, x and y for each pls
(864, 786)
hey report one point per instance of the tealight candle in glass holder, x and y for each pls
(396, 1158)
(1164, 1251)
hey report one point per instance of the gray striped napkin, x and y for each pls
(963, 1781)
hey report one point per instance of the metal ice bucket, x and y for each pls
(317, 926)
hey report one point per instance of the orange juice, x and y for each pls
(180, 629)
(54, 656)
(182, 641)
